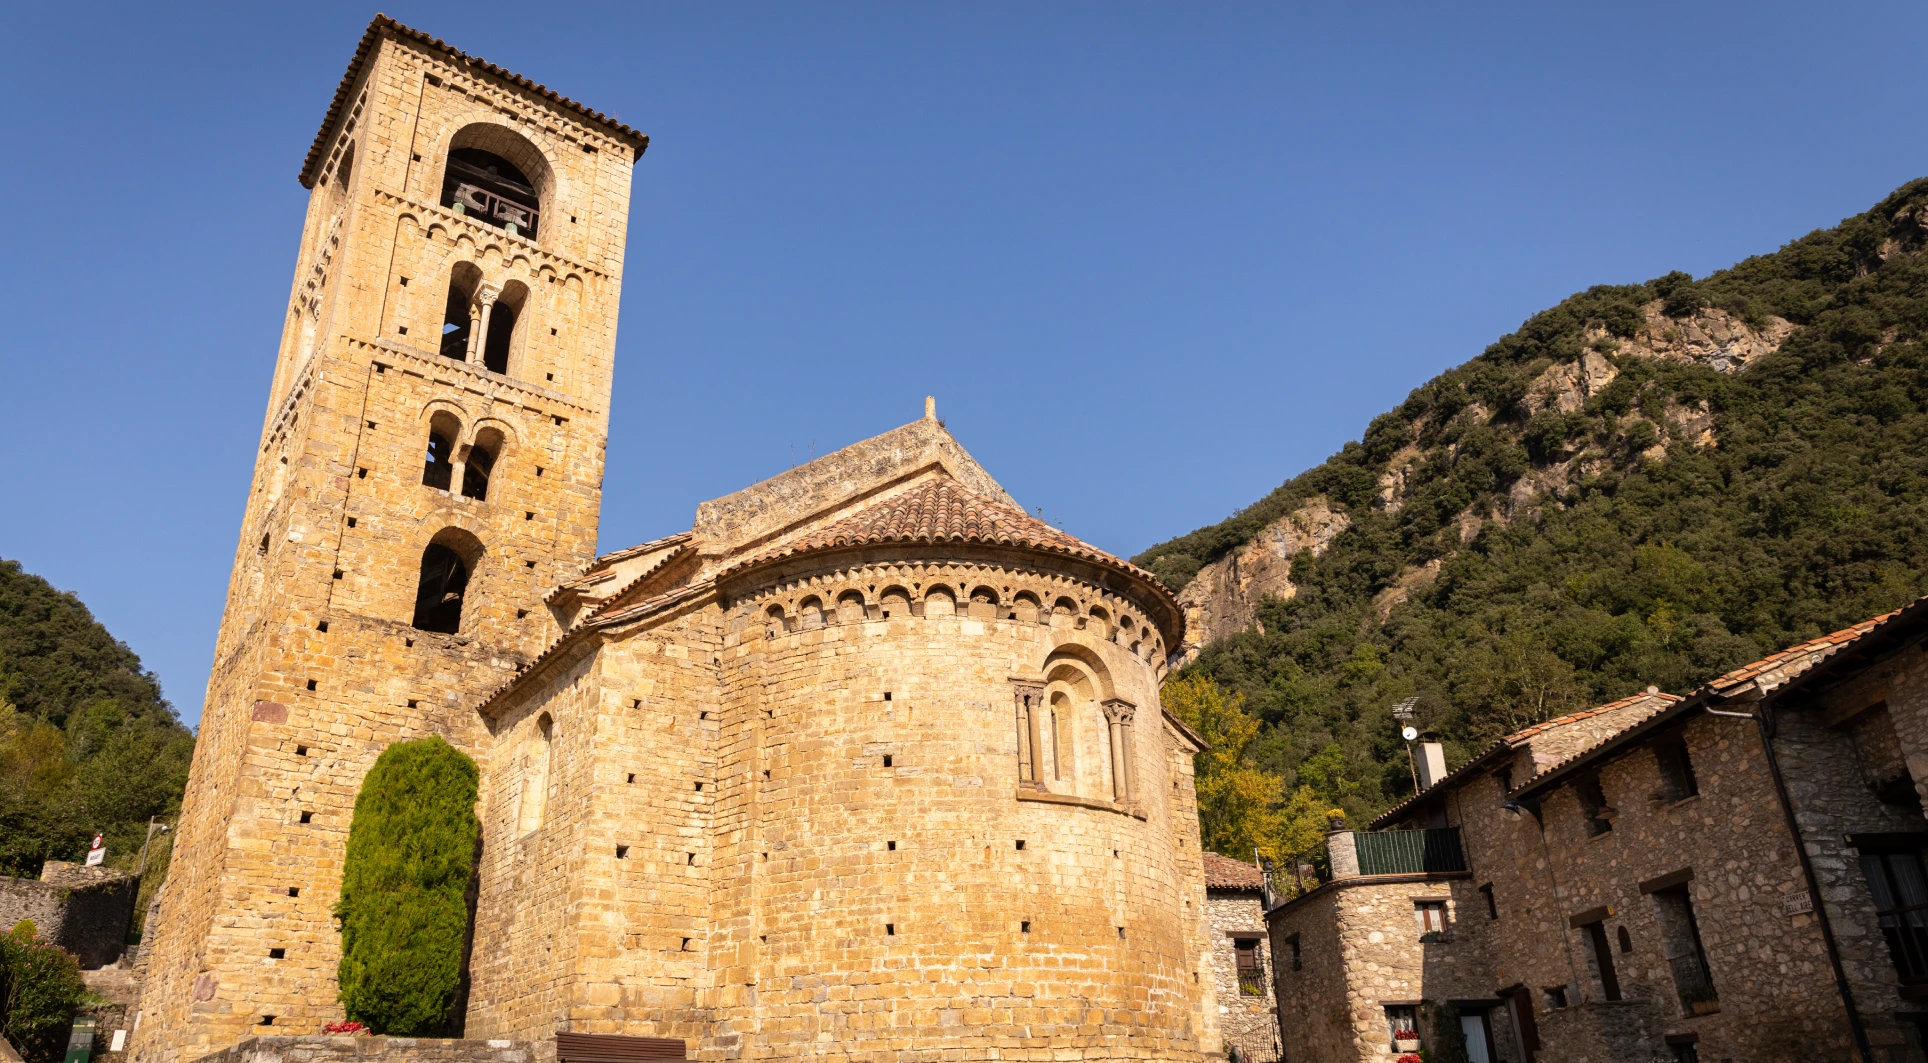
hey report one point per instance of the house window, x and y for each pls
(1293, 944)
(1686, 958)
(1402, 1027)
(1555, 997)
(1251, 978)
(1492, 907)
(1901, 906)
(1677, 782)
(1596, 934)
(1593, 806)
(1431, 917)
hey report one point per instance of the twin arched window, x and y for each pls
(477, 460)
(478, 324)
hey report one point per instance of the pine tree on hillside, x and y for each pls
(404, 906)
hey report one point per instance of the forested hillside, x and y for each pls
(87, 743)
(1646, 484)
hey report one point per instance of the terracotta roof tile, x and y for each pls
(944, 511)
(1519, 738)
(1225, 873)
(1798, 657)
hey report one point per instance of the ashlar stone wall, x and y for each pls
(807, 836)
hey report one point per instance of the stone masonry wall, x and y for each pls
(84, 910)
(311, 1049)
(317, 668)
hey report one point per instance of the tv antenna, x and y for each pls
(1403, 712)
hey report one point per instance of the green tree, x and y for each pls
(87, 742)
(40, 990)
(404, 907)
(1237, 802)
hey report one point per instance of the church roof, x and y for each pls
(942, 510)
(939, 510)
(319, 150)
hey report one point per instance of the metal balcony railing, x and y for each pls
(1411, 852)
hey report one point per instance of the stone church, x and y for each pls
(866, 764)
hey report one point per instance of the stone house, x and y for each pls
(865, 764)
(1248, 1019)
(1731, 875)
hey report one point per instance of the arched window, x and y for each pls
(481, 462)
(1059, 723)
(439, 467)
(773, 624)
(895, 601)
(502, 318)
(535, 775)
(447, 563)
(492, 190)
(458, 318)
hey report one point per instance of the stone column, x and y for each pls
(1119, 714)
(479, 334)
(1030, 750)
(1343, 850)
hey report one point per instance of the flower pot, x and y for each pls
(1704, 1007)
(1406, 1046)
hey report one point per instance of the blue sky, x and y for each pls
(1151, 259)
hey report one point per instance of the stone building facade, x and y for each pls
(84, 910)
(1731, 875)
(866, 764)
(1248, 1019)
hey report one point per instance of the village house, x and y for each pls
(1733, 875)
(1248, 1020)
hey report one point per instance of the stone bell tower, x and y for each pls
(430, 465)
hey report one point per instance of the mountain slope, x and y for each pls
(1646, 484)
(87, 742)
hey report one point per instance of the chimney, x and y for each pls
(1432, 764)
(930, 407)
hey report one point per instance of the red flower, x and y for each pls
(1405, 1035)
(356, 1027)
(1408, 1058)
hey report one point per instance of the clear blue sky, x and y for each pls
(1152, 259)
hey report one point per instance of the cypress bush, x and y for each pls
(404, 906)
(40, 989)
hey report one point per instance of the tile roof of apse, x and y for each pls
(941, 510)
(1225, 873)
(1513, 742)
(319, 150)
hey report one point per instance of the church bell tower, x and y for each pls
(430, 465)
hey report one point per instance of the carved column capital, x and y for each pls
(1118, 710)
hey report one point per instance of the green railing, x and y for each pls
(1410, 852)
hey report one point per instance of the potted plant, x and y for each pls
(1434, 937)
(1405, 1040)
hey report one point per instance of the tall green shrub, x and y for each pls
(404, 907)
(40, 989)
